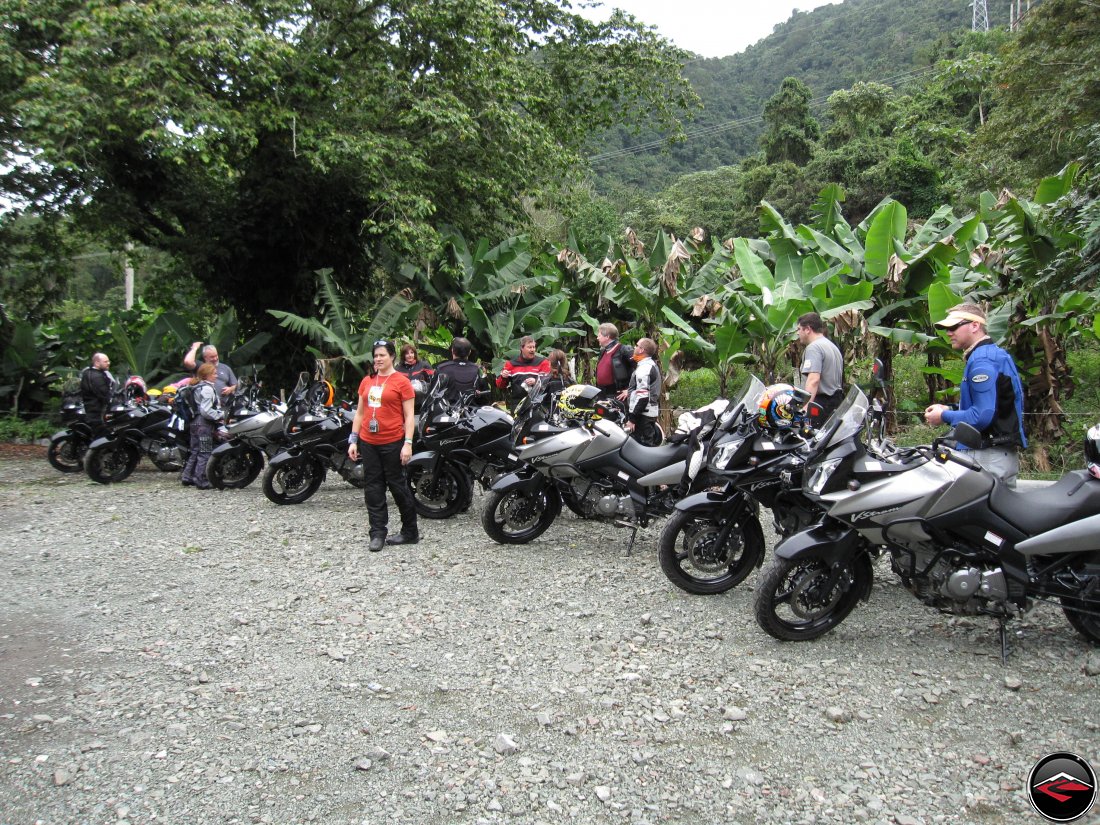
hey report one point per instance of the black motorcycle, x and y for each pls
(253, 431)
(135, 427)
(958, 538)
(714, 539)
(460, 443)
(68, 446)
(315, 440)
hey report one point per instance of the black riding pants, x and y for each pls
(382, 468)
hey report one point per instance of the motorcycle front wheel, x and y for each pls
(519, 516)
(450, 493)
(67, 454)
(708, 554)
(293, 483)
(796, 603)
(234, 469)
(113, 462)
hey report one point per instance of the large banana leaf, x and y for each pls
(887, 226)
(753, 270)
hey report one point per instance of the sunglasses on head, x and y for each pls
(382, 343)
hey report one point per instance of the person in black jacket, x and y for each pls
(615, 365)
(97, 385)
(463, 375)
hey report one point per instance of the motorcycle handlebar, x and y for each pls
(944, 455)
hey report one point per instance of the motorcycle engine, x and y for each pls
(955, 584)
(601, 500)
(167, 453)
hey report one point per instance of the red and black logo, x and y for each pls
(1062, 787)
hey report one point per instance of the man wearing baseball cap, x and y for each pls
(991, 397)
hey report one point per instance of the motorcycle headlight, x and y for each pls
(819, 475)
(725, 453)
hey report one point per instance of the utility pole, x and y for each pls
(981, 16)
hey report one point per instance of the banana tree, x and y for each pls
(343, 342)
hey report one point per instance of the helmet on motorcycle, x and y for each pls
(781, 407)
(135, 387)
(1092, 450)
(579, 403)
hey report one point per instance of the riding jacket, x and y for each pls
(991, 398)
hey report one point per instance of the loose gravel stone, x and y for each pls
(170, 655)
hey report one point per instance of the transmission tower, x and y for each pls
(981, 16)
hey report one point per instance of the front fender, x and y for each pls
(287, 459)
(103, 441)
(230, 446)
(60, 434)
(708, 501)
(838, 545)
(526, 479)
(427, 458)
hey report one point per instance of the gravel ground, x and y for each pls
(168, 655)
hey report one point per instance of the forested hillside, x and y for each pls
(829, 48)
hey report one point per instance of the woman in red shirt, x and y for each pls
(382, 434)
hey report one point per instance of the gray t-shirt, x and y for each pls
(822, 356)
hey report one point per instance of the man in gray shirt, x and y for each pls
(822, 364)
(225, 381)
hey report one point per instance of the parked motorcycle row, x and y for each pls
(839, 492)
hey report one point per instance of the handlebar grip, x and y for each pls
(962, 461)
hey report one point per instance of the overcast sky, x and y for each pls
(712, 28)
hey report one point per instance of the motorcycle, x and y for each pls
(459, 444)
(315, 440)
(958, 538)
(68, 446)
(597, 469)
(253, 432)
(714, 540)
(135, 427)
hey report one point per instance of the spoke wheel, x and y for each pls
(706, 554)
(234, 469)
(795, 601)
(67, 454)
(111, 463)
(450, 493)
(294, 483)
(517, 516)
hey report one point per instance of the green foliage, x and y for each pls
(259, 141)
(13, 428)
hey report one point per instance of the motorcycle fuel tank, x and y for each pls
(563, 448)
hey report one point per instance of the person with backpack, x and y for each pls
(201, 399)
(616, 363)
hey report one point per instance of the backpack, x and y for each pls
(185, 408)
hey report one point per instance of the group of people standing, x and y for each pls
(991, 400)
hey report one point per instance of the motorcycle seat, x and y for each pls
(1074, 496)
(651, 459)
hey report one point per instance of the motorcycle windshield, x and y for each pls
(845, 423)
(746, 399)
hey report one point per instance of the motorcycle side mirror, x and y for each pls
(967, 436)
(878, 373)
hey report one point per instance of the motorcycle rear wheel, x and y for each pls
(518, 516)
(67, 454)
(792, 604)
(450, 493)
(1087, 624)
(706, 555)
(293, 483)
(111, 463)
(235, 469)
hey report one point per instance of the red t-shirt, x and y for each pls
(381, 399)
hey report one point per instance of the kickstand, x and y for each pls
(1003, 632)
(630, 544)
